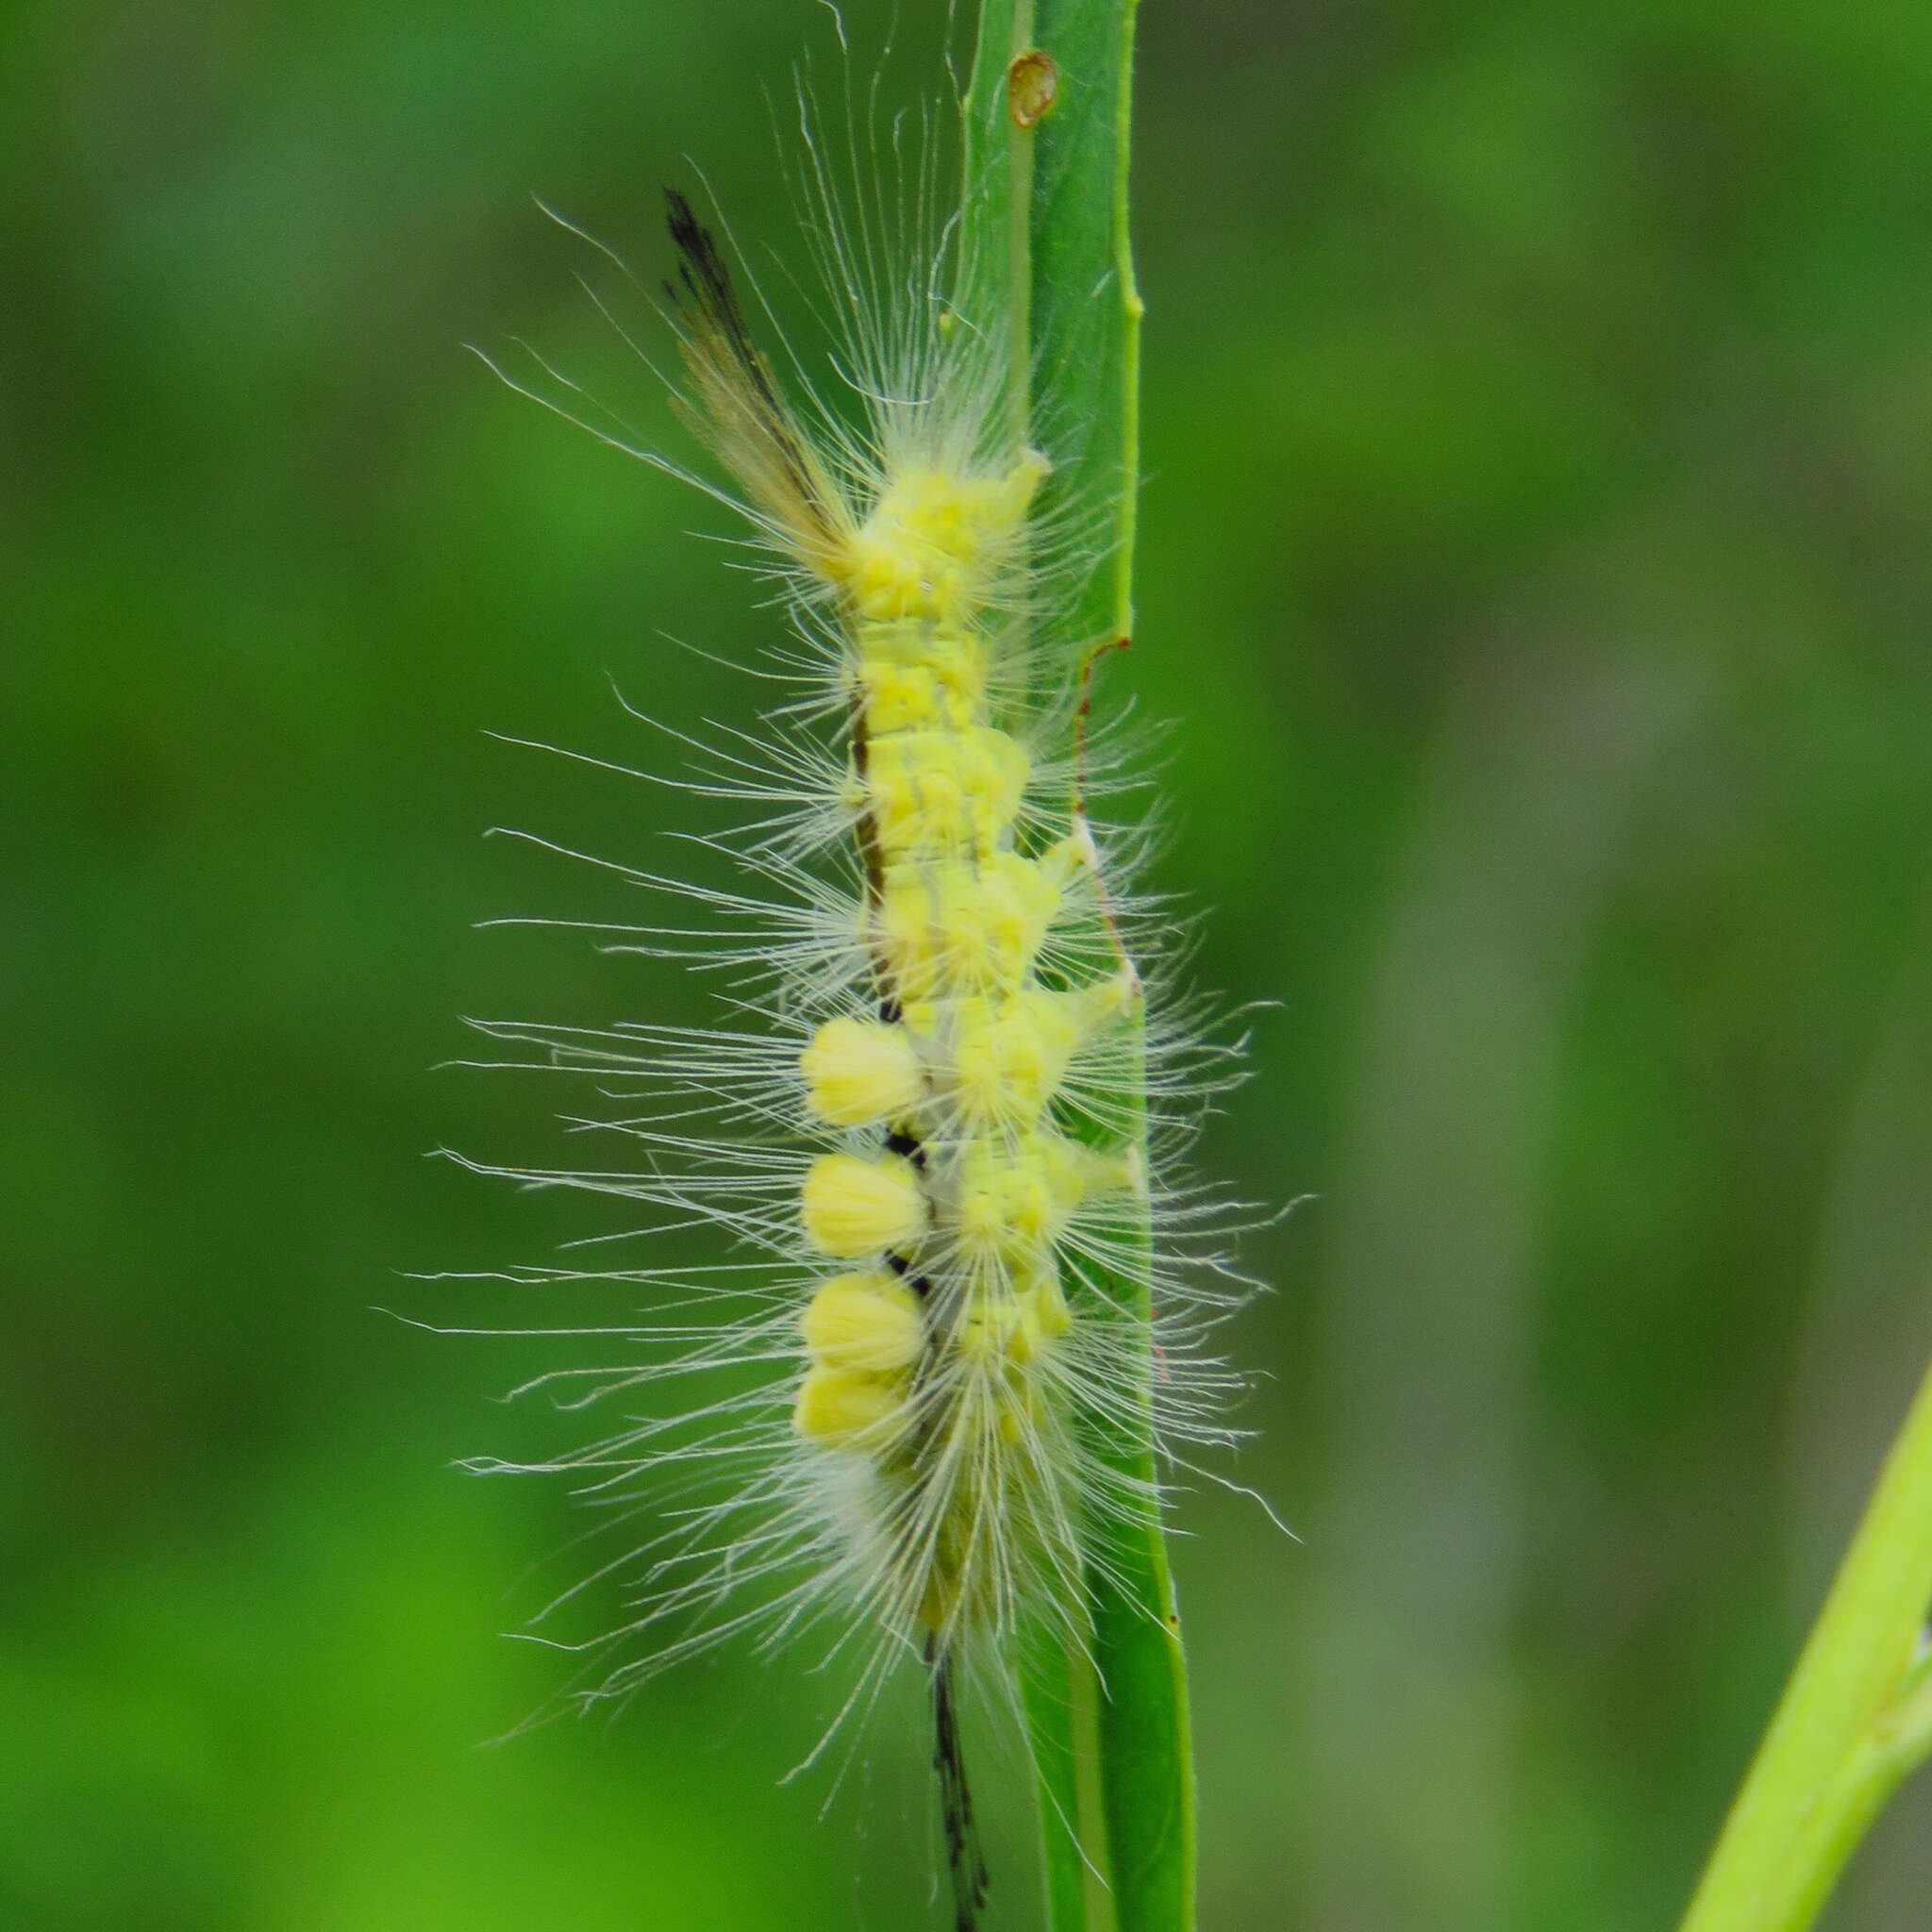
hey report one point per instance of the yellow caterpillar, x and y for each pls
(938, 1361)
(931, 1133)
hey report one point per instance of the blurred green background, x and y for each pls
(1538, 426)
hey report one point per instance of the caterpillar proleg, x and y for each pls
(949, 1096)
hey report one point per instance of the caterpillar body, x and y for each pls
(928, 1133)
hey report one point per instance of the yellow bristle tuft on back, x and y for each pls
(851, 1207)
(866, 1322)
(859, 1071)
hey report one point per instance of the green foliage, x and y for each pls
(1493, 351)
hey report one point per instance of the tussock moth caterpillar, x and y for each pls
(948, 1103)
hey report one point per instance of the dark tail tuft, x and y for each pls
(722, 353)
(704, 286)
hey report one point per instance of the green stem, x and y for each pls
(1875, 1767)
(1854, 1720)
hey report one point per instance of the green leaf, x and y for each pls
(1047, 264)
(1146, 1754)
(1055, 1708)
(1047, 260)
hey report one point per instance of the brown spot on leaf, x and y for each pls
(1033, 84)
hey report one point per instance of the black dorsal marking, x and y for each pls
(963, 1856)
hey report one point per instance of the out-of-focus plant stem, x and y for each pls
(1854, 1720)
